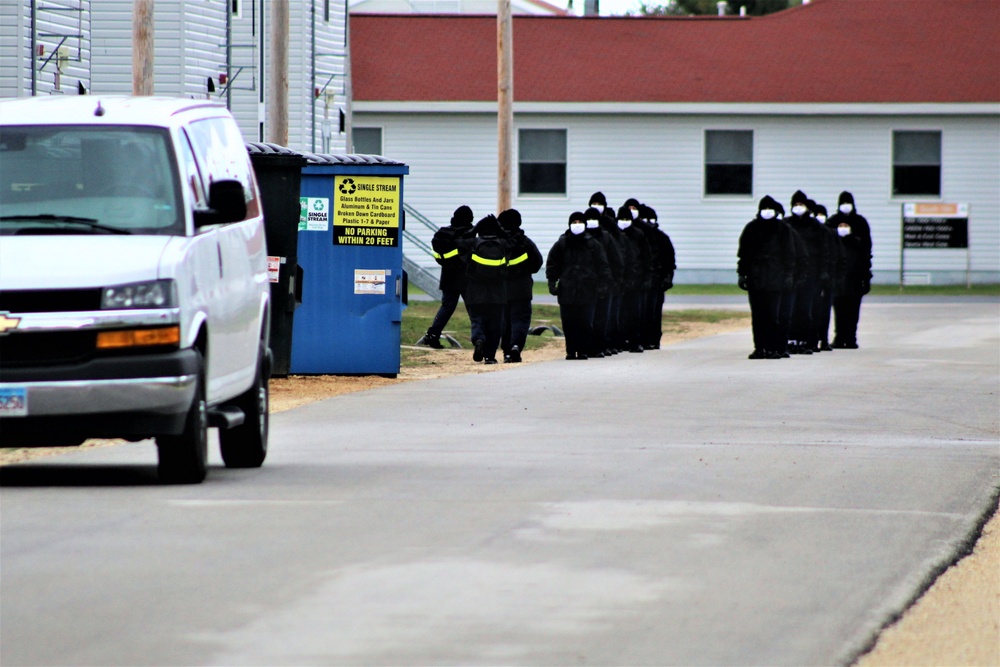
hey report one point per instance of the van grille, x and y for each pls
(46, 348)
(50, 301)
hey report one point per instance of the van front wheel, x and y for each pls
(245, 446)
(183, 459)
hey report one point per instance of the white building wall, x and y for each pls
(660, 161)
(58, 23)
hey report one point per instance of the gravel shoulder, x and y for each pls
(955, 622)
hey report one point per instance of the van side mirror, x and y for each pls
(226, 202)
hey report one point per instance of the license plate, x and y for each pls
(13, 402)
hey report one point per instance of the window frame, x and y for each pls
(893, 194)
(564, 194)
(705, 163)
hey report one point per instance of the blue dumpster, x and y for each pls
(350, 249)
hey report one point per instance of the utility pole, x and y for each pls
(505, 103)
(142, 47)
(277, 127)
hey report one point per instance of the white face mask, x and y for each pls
(821, 217)
(624, 224)
(634, 212)
(846, 208)
(599, 207)
(592, 224)
(843, 231)
(652, 221)
(767, 213)
(577, 227)
(798, 209)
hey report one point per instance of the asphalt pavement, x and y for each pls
(685, 506)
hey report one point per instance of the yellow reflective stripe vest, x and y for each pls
(447, 255)
(488, 262)
(518, 260)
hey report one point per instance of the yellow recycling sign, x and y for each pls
(366, 210)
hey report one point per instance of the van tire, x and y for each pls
(183, 459)
(245, 446)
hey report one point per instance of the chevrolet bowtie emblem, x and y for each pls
(8, 323)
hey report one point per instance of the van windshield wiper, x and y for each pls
(89, 222)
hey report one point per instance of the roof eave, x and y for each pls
(688, 108)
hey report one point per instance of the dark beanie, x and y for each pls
(598, 198)
(646, 212)
(767, 201)
(820, 209)
(799, 198)
(577, 216)
(510, 220)
(488, 226)
(592, 214)
(845, 198)
(781, 209)
(462, 217)
(624, 214)
(811, 205)
(632, 202)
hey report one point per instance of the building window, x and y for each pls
(916, 163)
(368, 140)
(728, 162)
(541, 162)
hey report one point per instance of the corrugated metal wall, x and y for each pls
(660, 161)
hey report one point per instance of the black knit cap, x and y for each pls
(845, 198)
(510, 220)
(592, 214)
(799, 198)
(577, 216)
(820, 210)
(598, 198)
(781, 209)
(624, 214)
(462, 217)
(767, 201)
(632, 202)
(647, 212)
(488, 226)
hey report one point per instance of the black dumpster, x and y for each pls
(279, 176)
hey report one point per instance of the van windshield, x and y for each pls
(88, 180)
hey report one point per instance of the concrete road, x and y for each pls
(679, 507)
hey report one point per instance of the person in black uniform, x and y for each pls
(662, 276)
(856, 246)
(451, 247)
(632, 299)
(486, 288)
(524, 261)
(575, 266)
(602, 307)
(766, 267)
(613, 338)
(817, 246)
(821, 316)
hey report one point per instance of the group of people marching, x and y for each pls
(609, 271)
(796, 268)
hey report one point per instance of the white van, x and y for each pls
(133, 279)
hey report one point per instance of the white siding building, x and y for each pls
(89, 43)
(817, 119)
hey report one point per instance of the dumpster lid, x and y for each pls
(258, 149)
(351, 159)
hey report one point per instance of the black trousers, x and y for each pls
(576, 322)
(653, 323)
(822, 315)
(614, 331)
(487, 326)
(846, 313)
(630, 320)
(765, 307)
(516, 322)
(599, 328)
(785, 318)
(449, 301)
(803, 329)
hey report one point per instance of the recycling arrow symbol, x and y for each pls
(347, 186)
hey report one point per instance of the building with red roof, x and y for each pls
(895, 101)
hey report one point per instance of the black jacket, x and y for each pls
(643, 259)
(625, 249)
(486, 271)
(525, 259)
(614, 254)
(452, 246)
(767, 255)
(817, 246)
(576, 266)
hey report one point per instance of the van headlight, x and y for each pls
(147, 294)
